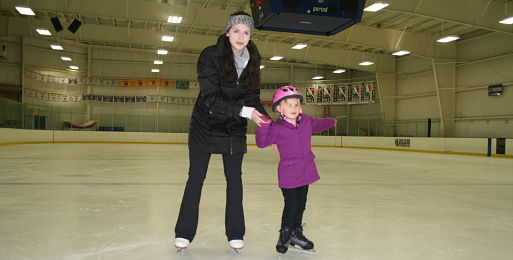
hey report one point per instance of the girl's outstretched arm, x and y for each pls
(322, 124)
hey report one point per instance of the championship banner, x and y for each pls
(147, 83)
(140, 99)
(343, 93)
(180, 84)
(266, 103)
(311, 94)
(152, 99)
(125, 83)
(327, 94)
(356, 92)
(368, 91)
(54, 97)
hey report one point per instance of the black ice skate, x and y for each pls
(283, 241)
(299, 239)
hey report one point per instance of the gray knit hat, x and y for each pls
(243, 19)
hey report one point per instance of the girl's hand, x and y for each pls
(275, 148)
(255, 116)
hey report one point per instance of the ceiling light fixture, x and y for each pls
(25, 10)
(318, 77)
(262, 66)
(167, 38)
(508, 20)
(276, 58)
(73, 67)
(64, 58)
(400, 53)
(162, 52)
(299, 46)
(43, 31)
(158, 62)
(56, 47)
(174, 19)
(449, 38)
(366, 63)
(339, 71)
(155, 70)
(376, 6)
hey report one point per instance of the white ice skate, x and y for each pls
(181, 244)
(237, 245)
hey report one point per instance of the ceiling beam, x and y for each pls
(447, 20)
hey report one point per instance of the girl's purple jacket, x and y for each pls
(297, 167)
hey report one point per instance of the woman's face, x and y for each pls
(239, 35)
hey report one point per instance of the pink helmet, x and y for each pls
(285, 92)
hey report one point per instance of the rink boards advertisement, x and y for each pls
(343, 93)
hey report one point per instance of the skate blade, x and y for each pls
(237, 250)
(301, 250)
(180, 249)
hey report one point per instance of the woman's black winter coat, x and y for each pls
(215, 124)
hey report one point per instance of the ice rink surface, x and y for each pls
(120, 201)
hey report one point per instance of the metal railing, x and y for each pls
(175, 119)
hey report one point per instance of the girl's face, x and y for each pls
(290, 108)
(239, 35)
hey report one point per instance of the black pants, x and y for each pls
(294, 206)
(187, 222)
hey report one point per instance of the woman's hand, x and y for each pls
(255, 116)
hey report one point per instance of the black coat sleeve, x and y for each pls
(253, 100)
(209, 81)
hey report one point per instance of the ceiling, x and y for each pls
(139, 24)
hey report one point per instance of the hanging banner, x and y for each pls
(327, 94)
(181, 84)
(54, 97)
(311, 94)
(343, 93)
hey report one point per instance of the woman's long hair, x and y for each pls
(249, 77)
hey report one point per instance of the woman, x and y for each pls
(229, 79)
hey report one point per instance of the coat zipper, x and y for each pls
(231, 145)
(302, 153)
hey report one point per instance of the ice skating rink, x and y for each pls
(120, 201)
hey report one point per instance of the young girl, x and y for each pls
(292, 133)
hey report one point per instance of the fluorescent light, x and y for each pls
(449, 38)
(508, 20)
(339, 71)
(56, 47)
(262, 66)
(43, 31)
(162, 52)
(73, 67)
(158, 62)
(299, 46)
(276, 58)
(25, 10)
(366, 63)
(167, 38)
(174, 19)
(65, 58)
(155, 70)
(318, 77)
(400, 53)
(376, 7)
